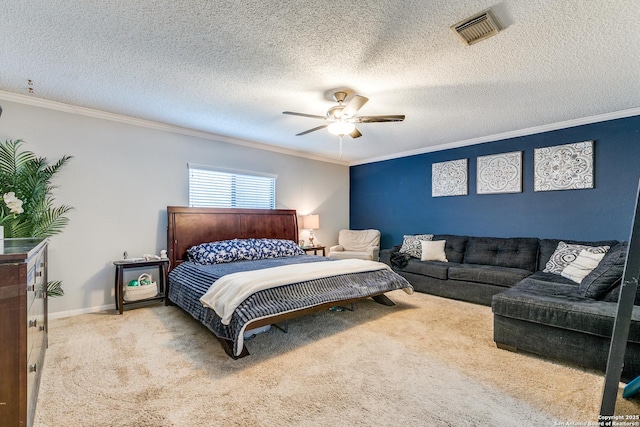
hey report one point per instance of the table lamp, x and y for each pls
(311, 222)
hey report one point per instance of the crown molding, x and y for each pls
(89, 112)
(507, 135)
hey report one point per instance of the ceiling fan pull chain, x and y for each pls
(340, 147)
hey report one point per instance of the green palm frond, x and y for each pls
(54, 288)
(29, 177)
(52, 221)
(51, 170)
(11, 160)
(17, 228)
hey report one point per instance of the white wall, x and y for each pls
(123, 176)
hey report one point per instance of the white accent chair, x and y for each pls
(361, 244)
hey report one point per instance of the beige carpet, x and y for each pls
(428, 361)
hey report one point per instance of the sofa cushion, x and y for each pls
(351, 255)
(455, 246)
(519, 252)
(548, 247)
(359, 240)
(435, 269)
(489, 274)
(553, 300)
(607, 275)
(614, 295)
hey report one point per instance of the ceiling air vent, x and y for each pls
(477, 28)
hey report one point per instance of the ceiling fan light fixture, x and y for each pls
(341, 128)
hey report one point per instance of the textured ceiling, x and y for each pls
(231, 67)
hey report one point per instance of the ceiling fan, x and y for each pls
(342, 118)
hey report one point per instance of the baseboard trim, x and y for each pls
(71, 313)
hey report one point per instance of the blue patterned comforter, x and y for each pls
(189, 281)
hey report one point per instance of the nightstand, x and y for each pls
(315, 249)
(123, 264)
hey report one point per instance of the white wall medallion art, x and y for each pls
(500, 173)
(563, 167)
(450, 178)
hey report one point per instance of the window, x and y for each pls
(225, 188)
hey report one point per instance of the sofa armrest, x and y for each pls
(385, 254)
(336, 248)
(374, 252)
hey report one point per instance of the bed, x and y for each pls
(191, 280)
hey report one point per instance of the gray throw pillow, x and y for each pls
(607, 275)
(565, 254)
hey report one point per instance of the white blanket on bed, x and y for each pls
(228, 292)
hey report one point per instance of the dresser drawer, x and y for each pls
(35, 324)
(34, 360)
(35, 363)
(36, 294)
(36, 279)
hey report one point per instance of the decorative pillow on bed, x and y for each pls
(565, 254)
(411, 244)
(242, 250)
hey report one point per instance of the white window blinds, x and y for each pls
(225, 188)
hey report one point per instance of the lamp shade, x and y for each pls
(311, 222)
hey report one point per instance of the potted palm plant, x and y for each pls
(27, 205)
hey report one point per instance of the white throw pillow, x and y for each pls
(433, 250)
(566, 253)
(584, 264)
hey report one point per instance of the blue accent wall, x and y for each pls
(394, 196)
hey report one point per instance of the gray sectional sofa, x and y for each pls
(477, 267)
(534, 311)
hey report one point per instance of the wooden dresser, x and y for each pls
(23, 327)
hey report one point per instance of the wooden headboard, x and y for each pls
(191, 226)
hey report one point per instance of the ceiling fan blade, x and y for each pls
(354, 105)
(355, 134)
(313, 116)
(378, 119)
(311, 130)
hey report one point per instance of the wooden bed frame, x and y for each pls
(192, 226)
